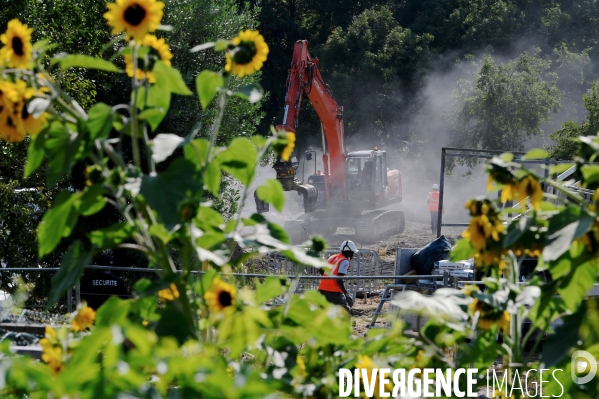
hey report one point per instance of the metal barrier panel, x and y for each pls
(365, 263)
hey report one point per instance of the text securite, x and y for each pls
(105, 283)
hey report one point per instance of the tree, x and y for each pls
(487, 23)
(505, 103)
(566, 146)
(374, 67)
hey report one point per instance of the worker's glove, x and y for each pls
(350, 301)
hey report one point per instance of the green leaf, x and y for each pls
(221, 45)
(111, 236)
(166, 190)
(170, 79)
(272, 192)
(85, 61)
(259, 141)
(197, 152)
(239, 160)
(278, 232)
(209, 219)
(160, 232)
(100, 119)
(577, 284)
(57, 222)
(557, 345)
(173, 323)
(565, 227)
(516, 230)
(560, 168)
(113, 311)
(164, 145)
(71, 268)
(252, 93)
(91, 200)
(269, 289)
(154, 116)
(158, 99)
(35, 153)
(61, 151)
(212, 178)
(590, 174)
(536, 153)
(207, 85)
(463, 250)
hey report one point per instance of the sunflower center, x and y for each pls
(134, 14)
(24, 112)
(17, 46)
(225, 299)
(244, 53)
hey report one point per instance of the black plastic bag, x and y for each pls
(423, 261)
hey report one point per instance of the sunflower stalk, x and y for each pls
(133, 113)
(263, 151)
(222, 101)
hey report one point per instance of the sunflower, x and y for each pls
(17, 45)
(51, 354)
(248, 55)
(501, 320)
(158, 51)
(85, 317)
(135, 17)
(51, 350)
(169, 294)
(220, 296)
(15, 119)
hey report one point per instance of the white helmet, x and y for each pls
(435, 186)
(348, 245)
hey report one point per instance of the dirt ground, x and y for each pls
(415, 235)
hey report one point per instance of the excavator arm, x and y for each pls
(305, 79)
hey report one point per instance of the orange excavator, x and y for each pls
(351, 183)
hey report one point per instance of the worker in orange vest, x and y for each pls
(334, 290)
(433, 207)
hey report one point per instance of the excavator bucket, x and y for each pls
(261, 206)
(310, 194)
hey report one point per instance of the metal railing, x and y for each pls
(364, 266)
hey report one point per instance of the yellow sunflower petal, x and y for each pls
(17, 45)
(134, 17)
(248, 55)
(221, 296)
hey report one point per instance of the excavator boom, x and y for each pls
(352, 182)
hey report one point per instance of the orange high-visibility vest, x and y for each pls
(433, 201)
(330, 284)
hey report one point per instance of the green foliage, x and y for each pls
(505, 103)
(378, 56)
(196, 331)
(566, 144)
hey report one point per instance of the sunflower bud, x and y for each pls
(188, 210)
(93, 175)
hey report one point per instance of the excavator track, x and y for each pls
(379, 224)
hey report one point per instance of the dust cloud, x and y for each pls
(417, 155)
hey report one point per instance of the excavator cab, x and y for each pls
(367, 176)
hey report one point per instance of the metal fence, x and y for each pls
(365, 263)
(365, 276)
